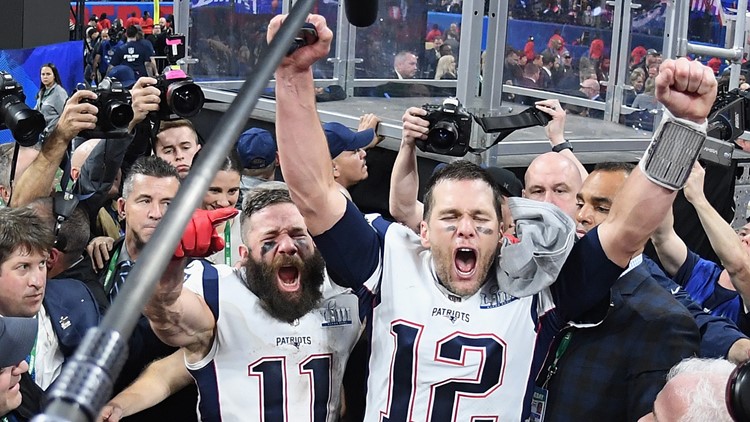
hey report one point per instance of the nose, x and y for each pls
(178, 154)
(286, 245)
(584, 215)
(466, 227)
(362, 153)
(157, 210)
(223, 201)
(38, 277)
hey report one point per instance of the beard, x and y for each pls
(260, 278)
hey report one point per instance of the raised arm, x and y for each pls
(303, 150)
(724, 240)
(36, 181)
(402, 200)
(670, 248)
(180, 317)
(555, 131)
(688, 90)
(159, 380)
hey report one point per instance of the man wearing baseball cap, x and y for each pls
(347, 149)
(256, 150)
(17, 337)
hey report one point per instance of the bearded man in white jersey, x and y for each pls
(447, 345)
(268, 342)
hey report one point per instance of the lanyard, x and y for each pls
(227, 244)
(111, 269)
(558, 355)
(32, 358)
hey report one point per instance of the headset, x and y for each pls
(63, 205)
(738, 393)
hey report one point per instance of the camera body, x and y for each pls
(180, 96)
(115, 111)
(25, 124)
(449, 130)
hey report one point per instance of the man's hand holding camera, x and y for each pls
(145, 100)
(304, 57)
(78, 115)
(414, 127)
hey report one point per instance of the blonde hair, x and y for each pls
(446, 65)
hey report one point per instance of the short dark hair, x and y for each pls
(260, 198)
(461, 170)
(132, 31)
(21, 228)
(152, 166)
(73, 235)
(171, 124)
(613, 166)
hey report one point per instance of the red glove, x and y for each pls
(200, 238)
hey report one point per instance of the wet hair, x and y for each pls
(260, 198)
(461, 170)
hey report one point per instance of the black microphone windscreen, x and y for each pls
(361, 13)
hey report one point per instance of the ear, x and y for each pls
(523, 193)
(74, 173)
(336, 172)
(4, 194)
(121, 207)
(244, 252)
(424, 234)
(54, 256)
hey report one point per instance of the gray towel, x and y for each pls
(546, 237)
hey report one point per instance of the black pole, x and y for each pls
(85, 384)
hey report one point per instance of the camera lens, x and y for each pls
(185, 98)
(442, 136)
(25, 124)
(119, 114)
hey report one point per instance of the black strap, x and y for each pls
(505, 125)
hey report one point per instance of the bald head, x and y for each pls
(590, 87)
(80, 155)
(555, 179)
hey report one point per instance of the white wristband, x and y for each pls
(674, 148)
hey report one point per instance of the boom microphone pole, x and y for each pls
(85, 384)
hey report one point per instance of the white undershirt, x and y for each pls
(49, 359)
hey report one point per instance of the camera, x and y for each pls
(115, 111)
(180, 96)
(727, 121)
(449, 130)
(25, 124)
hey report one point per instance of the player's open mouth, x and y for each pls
(288, 278)
(465, 261)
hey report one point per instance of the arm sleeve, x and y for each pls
(585, 279)
(99, 171)
(686, 270)
(718, 334)
(677, 338)
(352, 248)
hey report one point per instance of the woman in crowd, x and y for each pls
(51, 97)
(224, 192)
(446, 68)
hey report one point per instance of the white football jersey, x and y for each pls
(262, 369)
(439, 357)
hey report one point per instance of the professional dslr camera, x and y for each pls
(727, 121)
(25, 124)
(115, 111)
(450, 129)
(180, 96)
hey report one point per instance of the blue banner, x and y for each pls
(25, 66)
